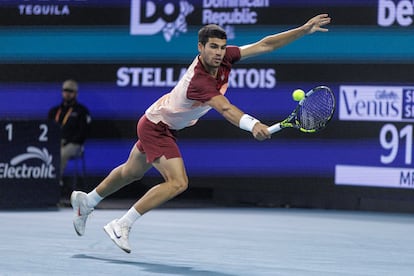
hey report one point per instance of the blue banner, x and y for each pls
(115, 44)
(107, 101)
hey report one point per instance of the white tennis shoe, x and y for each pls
(119, 232)
(81, 211)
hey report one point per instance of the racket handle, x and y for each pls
(274, 128)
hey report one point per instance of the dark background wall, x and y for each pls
(367, 59)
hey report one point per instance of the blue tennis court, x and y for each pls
(211, 241)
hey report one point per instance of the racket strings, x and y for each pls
(316, 110)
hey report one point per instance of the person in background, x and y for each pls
(74, 120)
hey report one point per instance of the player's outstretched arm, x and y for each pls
(235, 116)
(276, 41)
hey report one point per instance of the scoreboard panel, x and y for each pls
(29, 163)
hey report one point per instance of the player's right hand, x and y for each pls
(260, 132)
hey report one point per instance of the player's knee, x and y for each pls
(180, 185)
(130, 175)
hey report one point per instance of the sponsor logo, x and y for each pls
(406, 178)
(391, 12)
(376, 103)
(234, 12)
(367, 103)
(18, 167)
(374, 176)
(149, 18)
(46, 7)
(116, 234)
(408, 103)
(169, 77)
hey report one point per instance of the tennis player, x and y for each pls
(201, 88)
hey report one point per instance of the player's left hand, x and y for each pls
(315, 24)
(260, 132)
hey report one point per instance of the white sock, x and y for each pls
(94, 198)
(130, 217)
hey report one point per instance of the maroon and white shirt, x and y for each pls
(186, 102)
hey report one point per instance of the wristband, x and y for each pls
(247, 122)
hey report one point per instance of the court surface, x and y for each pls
(211, 241)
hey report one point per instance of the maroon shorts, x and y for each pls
(156, 140)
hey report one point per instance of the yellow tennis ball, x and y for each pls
(298, 95)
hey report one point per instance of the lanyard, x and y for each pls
(65, 119)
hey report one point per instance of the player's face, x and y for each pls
(213, 52)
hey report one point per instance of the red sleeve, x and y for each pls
(203, 86)
(233, 54)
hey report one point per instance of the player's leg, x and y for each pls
(83, 204)
(176, 182)
(159, 144)
(133, 169)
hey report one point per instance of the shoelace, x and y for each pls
(125, 230)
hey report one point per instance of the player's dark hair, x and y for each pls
(211, 31)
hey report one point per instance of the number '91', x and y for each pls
(390, 140)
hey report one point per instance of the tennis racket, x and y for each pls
(312, 114)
